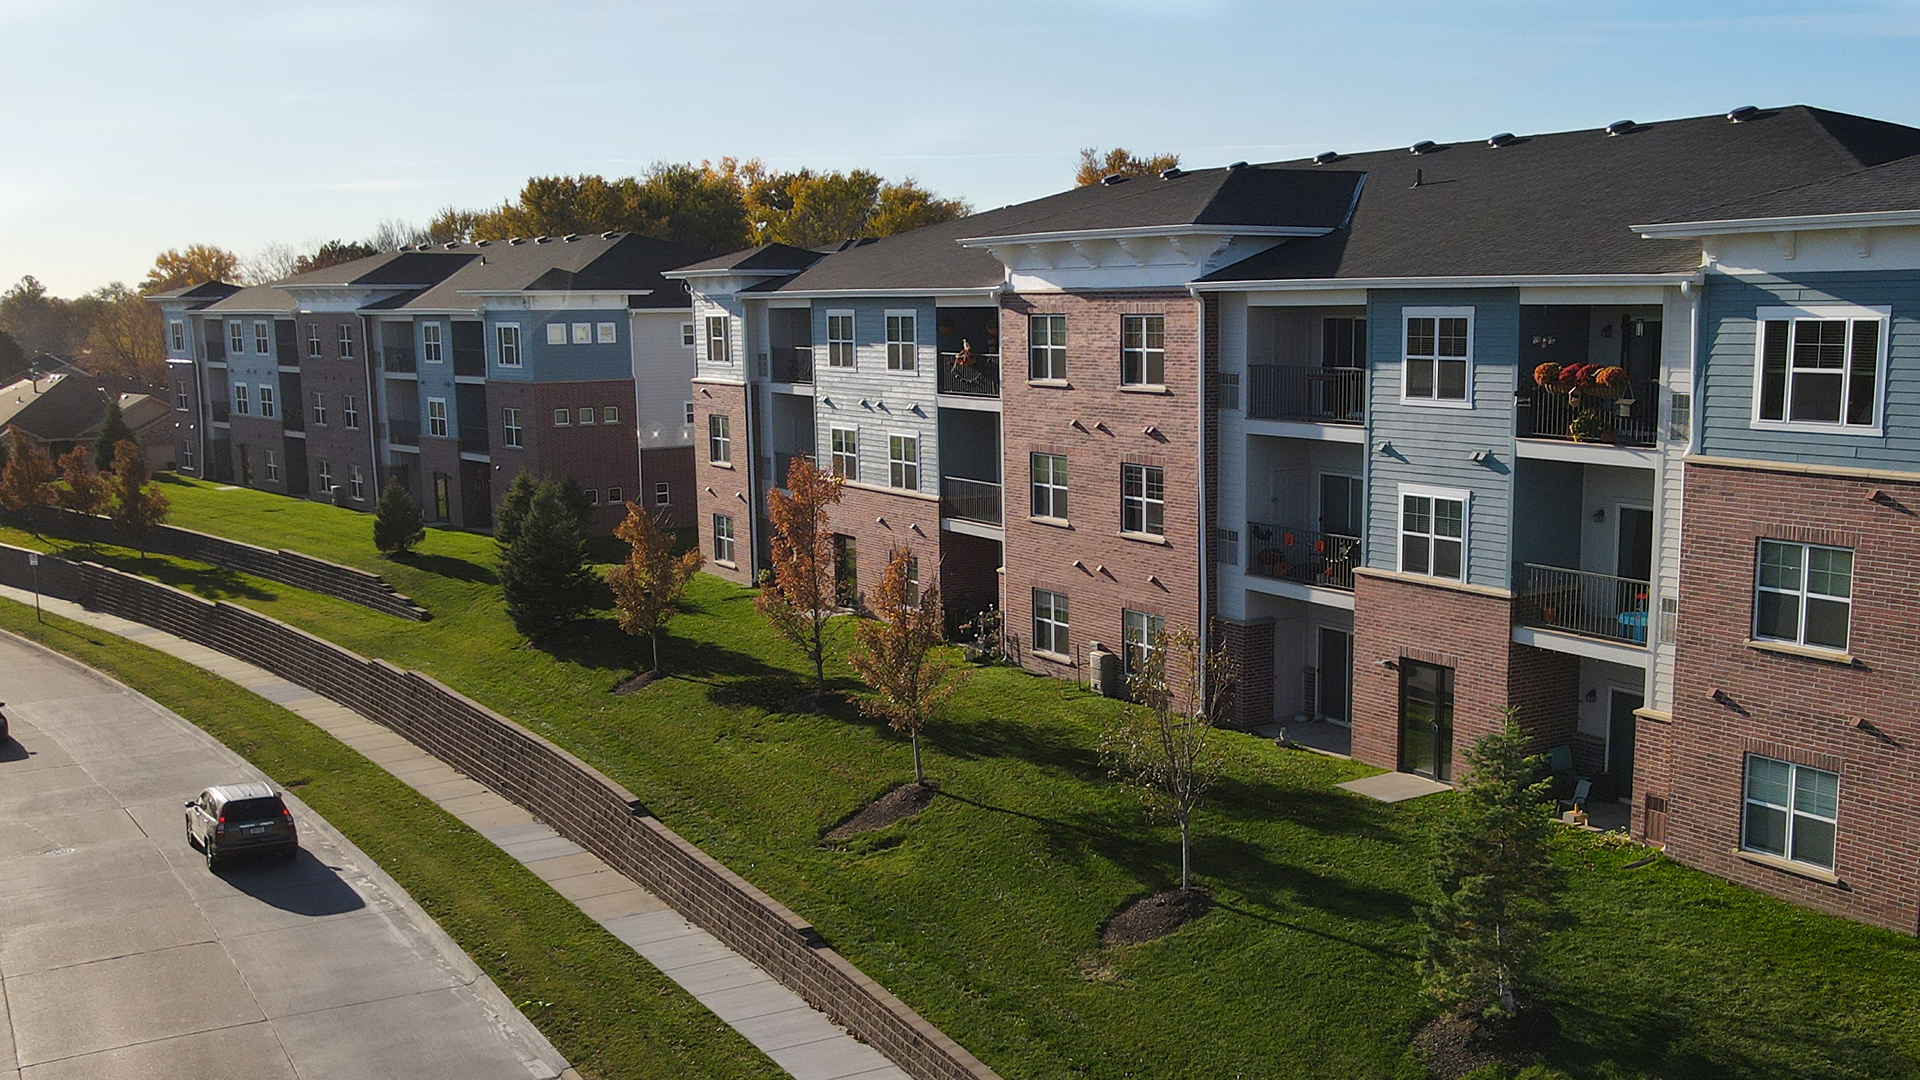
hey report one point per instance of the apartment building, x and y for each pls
(1416, 435)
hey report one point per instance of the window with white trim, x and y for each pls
(240, 406)
(1143, 350)
(686, 335)
(609, 414)
(510, 428)
(356, 485)
(430, 342)
(556, 333)
(1140, 635)
(603, 333)
(582, 333)
(325, 472)
(319, 409)
(723, 538)
(1046, 346)
(177, 335)
(903, 462)
(273, 466)
(314, 348)
(1438, 361)
(186, 455)
(689, 414)
(719, 438)
(437, 417)
(180, 403)
(911, 579)
(349, 413)
(845, 444)
(1050, 623)
(615, 497)
(236, 338)
(1803, 593)
(1433, 532)
(593, 496)
(1143, 499)
(507, 336)
(901, 354)
(1229, 548)
(663, 494)
(1790, 811)
(262, 340)
(719, 347)
(1820, 368)
(562, 417)
(346, 342)
(266, 401)
(840, 339)
(1049, 485)
(584, 416)
(1229, 390)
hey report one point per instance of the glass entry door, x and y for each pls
(1333, 682)
(1426, 720)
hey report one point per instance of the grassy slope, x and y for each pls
(609, 1011)
(983, 913)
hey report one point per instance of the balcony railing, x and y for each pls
(970, 374)
(473, 439)
(1307, 556)
(397, 358)
(220, 413)
(793, 364)
(1593, 605)
(1314, 395)
(1631, 419)
(403, 433)
(970, 500)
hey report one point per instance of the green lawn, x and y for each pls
(983, 913)
(606, 1009)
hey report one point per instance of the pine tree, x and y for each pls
(397, 525)
(647, 587)
(893, 653)
(113, 432)
(513, 510)
(138, 504)
(27, 482)
(86, 491)
(800, 596)
(543, 572)
(1493, 867)
(575, 497)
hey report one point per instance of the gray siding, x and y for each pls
(1432, 445)
(1728, 327)
(873, 399)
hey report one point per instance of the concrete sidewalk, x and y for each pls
(799, 1038)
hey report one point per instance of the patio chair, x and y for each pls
(1581, 790)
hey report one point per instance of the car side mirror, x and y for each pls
(189, 804)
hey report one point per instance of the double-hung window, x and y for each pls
(903, 461)
(719, 351)
(1820, 368)
(900, 341)
(1143, 350)
(1050, 623)
(1143, 499)
(1140, 633)
(262, 340)
(846, 452)
(346, 342)
(723, 538)
(177, 335)
(1046, 346)
(240, 406)
(356, 485)
(430, 342)
(507, 336)
(319, 409)
(1049, 486)
(314, 351)
(236, 338)
(180, 397)
(266, 401)
(437, 417)
(604, 333)
(1791, 811)
(273, 466)
(349, 413)
(1803, 593)
(1438, 361)
(1433, 532)
(325, 472)
(510, 427)
(840, 339)
(719, 439)
(686, 335)
(186, 455)
(663, 494)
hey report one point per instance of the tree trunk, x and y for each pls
(919, 777)
(1186, 872)
(656, 651)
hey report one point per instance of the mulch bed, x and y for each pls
(1155, 916)
(1453, 1046)
(639, 681)
(896, 805)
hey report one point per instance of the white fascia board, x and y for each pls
(1143, 230)
(853, 294)
(1514, 281)
(1682, 230)
(562, 293)
(685, 274)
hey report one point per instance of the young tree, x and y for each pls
(543, 572)
(138, 504)
(513, 510)
(86, 491)
(1162, 744)
(893, 653)
(799, 598)
(397, 526)
(1494, 870)
(27, 482)
(1095, 167)
(647, 587)
(113, 431)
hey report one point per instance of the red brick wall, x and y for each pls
(335, 379)
(257, 435)
(1545, 687)
(883, 521)
(1250, 646)
(969, 575)
(721, 490)
(1798, 708)
(600, 455)
(1114, 573)
(672, 466)
(439, 456)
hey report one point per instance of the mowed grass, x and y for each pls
(607, 1010)
(984, 912)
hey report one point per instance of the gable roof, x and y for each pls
(206, 290)
(612, 262)
(1890, 188)
(1245, 199)
(55, 408)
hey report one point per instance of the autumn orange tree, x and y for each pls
(85, 491)
(138, 504)
(27, 482)
(1119, 161)
(647, 587)
(894, 653)
(798, 598)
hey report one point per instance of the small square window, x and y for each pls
(593, 496)
(689, 412)
(614, 498)
(556, 333)
(582, 333)
(584, 416)
(663, 494)
(603, 333)
(609, 414)
(562, 417)
(686, 335)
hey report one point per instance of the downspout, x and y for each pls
(1694, 289)
(375, 404)
(1200, 454)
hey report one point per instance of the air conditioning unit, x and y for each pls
(1103, 671)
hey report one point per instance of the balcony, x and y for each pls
(781, 463)
(1629, 419)
(970, 500)
(793, 364)
(398, 358)
(970, 374)
(469, 363)
(473, 439)
(1578, 602)
(403, 433)
(220, 412)
(214, 350)
(1304, 394)
(1306, 556)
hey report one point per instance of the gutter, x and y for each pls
(1686, 230)
(1521, 281)
(1208, 528)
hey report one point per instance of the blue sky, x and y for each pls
(131, 127)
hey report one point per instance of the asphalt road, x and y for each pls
(122, 957)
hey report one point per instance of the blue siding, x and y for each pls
(1728, 328)
(436, 380)
(1432, 445)
(541, 362)
(252, 367)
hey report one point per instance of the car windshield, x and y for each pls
(241, 811)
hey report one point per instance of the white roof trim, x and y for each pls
(1680, 230)
(733, 272)
(902, 293)
(1142, 230)
(555, 292)
(1490, 282)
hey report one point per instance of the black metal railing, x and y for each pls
(397, 358)
(403, 433)
(970, 500)
(1315, 395)
(793, 364)
(1593, 605)
(1308, 556)
(970, 374)
(1630, 419)
(473, 438)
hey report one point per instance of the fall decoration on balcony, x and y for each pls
(1588, 425)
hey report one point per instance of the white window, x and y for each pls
(723, 539)
(180, 397)
(346, 342)
(609, 414)
(313, 341)
(903, 461)
(507, 335)
(912, 581)
(510, 426)
(719, 437)
(1820, 368)
(584, 416)
(236, 338)
(1229, 546)
(273, 466)
(1229, 390)
(326, 476)
(186, 455)
(1140, 634)
(1049, 486)
(603, 333)
(1433, 532)
(689, 413)
(593, 496)
(614, 497)
(262, 342)
(686, 335)
(1046, 346)
(556, 333)
(1804, 594)
(1438, 367)
(846, 452)
(240, 406)
(1143, 499)
(177, 335)
(349, 413)
(356, 485)
(437, 417)
(430, 342)
(562, 417)
(719, 349)
(266, 401)
(1792, 811)
(663, 494)
(1050, 623)
(900, 343)
(319, 409)
(582, 333)
(840, 339)
(1143, 350)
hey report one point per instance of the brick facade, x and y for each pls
(882, 522)
(725, 488)
(1250, 646)
(672, 466)
(969, 576)
(1854, 717)
(335, 380)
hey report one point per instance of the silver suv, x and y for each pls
(234, 819)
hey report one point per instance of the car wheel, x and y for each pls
(213, 861)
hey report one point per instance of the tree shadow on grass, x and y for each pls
(1666, 1038)
(447, 566)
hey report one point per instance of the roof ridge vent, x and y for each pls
(542, 239)
(1621, 127)
(1111, 179)
(1424, 146)
(451, 244)
(514, 240)
(1505, 138)
(608, 235)
(481, 243)
(1743, 114)
(570, 238)
(1174, 173)
(1326, 157)
(1236, 166)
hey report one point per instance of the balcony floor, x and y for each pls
(1320, 736)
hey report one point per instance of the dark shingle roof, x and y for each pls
(1246, 197)
(388, 269)
(766, 258)
(255, 298)
(64, 407)
(622, 262)
(926, 258)
(1893, 186)
(206, 290)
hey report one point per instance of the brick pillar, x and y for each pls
(1652, 776)
(1545, 687)
(1397, 618)
(1250, 645)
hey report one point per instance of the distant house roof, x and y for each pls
(765, 259)
(56, 408)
